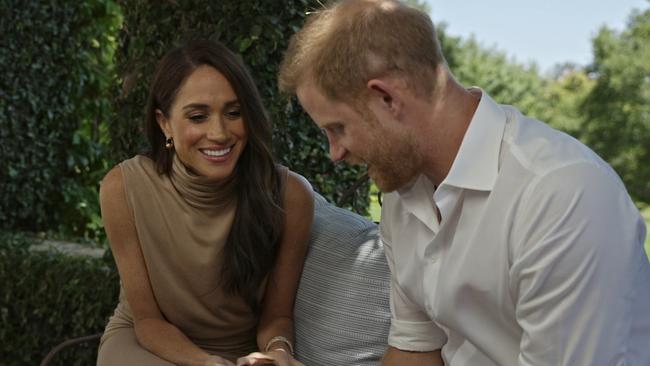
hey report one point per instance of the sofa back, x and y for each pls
(342, 312)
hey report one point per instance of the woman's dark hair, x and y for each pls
(251, 247)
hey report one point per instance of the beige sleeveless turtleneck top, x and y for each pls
(182, 223)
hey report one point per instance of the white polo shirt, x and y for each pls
(538, 258)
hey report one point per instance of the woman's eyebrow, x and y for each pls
(231, 103)
(196, 106)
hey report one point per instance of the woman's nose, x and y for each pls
(217, 131)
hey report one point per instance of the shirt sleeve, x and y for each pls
(576, 268)
(411, 329)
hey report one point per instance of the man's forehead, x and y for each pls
(322, 110)
(311, 96)
(306, 85)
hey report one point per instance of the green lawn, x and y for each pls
(646, 215)
(375, 213)
(375, 209)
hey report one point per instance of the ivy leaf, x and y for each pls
(244, 44)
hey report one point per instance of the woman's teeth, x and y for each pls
(217, 153)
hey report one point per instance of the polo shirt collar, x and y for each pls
(476, 165)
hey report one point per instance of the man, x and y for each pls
(509, 243)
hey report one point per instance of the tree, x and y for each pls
(504, 79)
(564, 97)
(618, 106)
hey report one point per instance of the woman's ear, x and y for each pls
(386, 93)
(163, 122)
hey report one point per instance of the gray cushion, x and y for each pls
(342, 313)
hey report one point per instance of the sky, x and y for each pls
(543, 31)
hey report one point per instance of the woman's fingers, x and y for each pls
(256, 359)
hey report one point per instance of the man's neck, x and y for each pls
(450, 113)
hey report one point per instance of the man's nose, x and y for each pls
(337, 152)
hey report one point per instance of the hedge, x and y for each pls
(55, 61)
(48, 297)
(258, 31)
(62, 103)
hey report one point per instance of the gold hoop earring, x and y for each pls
(169, 143)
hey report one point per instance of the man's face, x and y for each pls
(372, 138)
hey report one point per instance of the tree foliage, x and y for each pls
(259, 32)
(617, 109)
(564, 97)
(504, 79)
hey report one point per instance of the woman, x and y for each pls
(208, 234)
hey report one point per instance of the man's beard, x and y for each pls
(391, 156)
(393, 165)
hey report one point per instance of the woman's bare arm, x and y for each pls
(277, 308)
(152, 331)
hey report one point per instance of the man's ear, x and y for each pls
(386, 93)
(163, 122)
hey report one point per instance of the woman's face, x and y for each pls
(206, 124)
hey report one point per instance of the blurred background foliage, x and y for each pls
(617, 108)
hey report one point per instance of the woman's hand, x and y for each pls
(215, 360)
(275, 357)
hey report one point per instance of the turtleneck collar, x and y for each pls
(201, 192)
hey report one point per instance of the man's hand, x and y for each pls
(397, 357)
